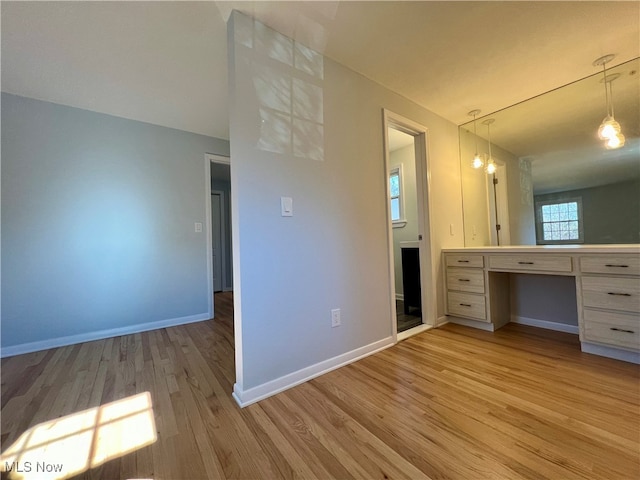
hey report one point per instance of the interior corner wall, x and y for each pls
(98, 218)
(312, 130)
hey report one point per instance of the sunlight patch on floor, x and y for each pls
(72, 444)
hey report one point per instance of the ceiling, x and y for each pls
(165, 62)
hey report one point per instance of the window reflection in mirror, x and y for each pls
(552, 154)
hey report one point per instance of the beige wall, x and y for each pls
(289, 272)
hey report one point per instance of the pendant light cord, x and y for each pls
(606, 90)
(489, 135)
(611, 97)
(475, 133)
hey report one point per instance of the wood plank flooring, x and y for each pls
(453, 402)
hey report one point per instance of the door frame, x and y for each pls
(425, 246)
(501, 194)
(210, 158)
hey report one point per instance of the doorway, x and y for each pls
(497, 197)
(412, 284)
(218, 227)
(217, 239)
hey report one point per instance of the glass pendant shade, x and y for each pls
(491, 167)
(615, 141)
(609, 128)
(477, 162)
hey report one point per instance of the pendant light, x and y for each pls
(609, 129)
(491, 166)
(477, 161)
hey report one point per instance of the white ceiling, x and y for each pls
(165, 62)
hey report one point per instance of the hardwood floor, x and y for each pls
(452, 402)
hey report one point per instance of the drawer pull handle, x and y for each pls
(616, 266)
(464, 280)
(463, 261)
(525, 263)
(621, 330)
(619, 294)
(465, 304)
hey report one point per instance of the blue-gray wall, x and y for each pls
(98, 220)
(610, 213)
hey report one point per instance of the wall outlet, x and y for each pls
(335, 318)
(198, 227)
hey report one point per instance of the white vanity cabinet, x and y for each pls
(607, 289)
(610, 294)
(466, 286)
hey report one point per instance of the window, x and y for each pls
(395, 194)
(559, 221)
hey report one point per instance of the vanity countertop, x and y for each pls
(620, 248)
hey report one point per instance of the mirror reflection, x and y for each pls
(555, 181)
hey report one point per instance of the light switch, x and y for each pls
(198, 227)
(286, 205)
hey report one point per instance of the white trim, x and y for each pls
(213, 158)
(255, 394)
(209, 232)
(443, 320)
(412, 331)
(615, 353)
(99, 335)
(534, 322)
(428, 278)
(208, 159)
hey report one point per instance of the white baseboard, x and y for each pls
(98, 335)
(400, 296)
(443, 320)
(412, 331)
(489, 327)
(534, 322)
(255, 394)
(615, 353)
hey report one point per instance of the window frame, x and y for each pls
(400, 221)
(540, 223)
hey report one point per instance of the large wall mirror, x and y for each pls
(555, 182)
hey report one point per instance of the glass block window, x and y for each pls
(559, 221)
(395, 194)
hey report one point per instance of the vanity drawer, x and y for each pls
(612, 264)
(546, 263)
(464, 261)
(465, 280)
(614, 293)
(611, 328)
(466, 305)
